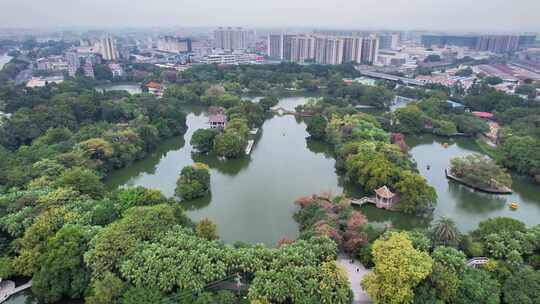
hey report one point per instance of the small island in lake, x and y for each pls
(480, 173)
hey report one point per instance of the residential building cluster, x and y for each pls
(231, 38)
(499, 44)
(323, 49)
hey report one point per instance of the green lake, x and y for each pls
(252, 198)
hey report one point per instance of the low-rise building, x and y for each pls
(154, 88)
(116, 69)
(217, 119)
(37, 82)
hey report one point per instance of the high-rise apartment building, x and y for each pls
(498, 43)
(352, 49)
(108, 48)
(231, 38)
(302, 48)
(323, 49)
(274, 46)
(493, 43)
(370, 49)
(287, 47)
(74, 62)
(388, 41)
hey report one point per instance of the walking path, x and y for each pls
(7, 289)
(355, 277)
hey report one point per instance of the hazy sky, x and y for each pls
(490, 15)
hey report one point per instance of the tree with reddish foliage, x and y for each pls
(304, 201)
(399, 140)
(323, 229)
(354, 240)
(356, 221)
(284, 241)
(326, 205)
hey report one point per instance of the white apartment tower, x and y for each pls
(231, 38)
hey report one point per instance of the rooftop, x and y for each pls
(483, 114)
(384, 192)
(153, 85)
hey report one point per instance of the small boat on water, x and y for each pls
(514, 205)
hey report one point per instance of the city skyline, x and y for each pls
(459, 15)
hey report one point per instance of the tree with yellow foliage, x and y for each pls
(399, 267)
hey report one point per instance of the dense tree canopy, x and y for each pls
(194, 182)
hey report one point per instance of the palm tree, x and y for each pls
(445, 232)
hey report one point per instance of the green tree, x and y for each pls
(493, 80)
(480, 171)
(230, 145)
(444, 128)
(416, 196)
(102, 72)
(119, 240)
(83, 180)
(498, 225)
(316, 127)
(268, 102)
(387, 284)
(410, 119)
(138, 295)
(477, 286)
(444, 232)
(203, 140)
(108, 290)
(523, 287)
(526, 89)
(62, 271)
(469, 124)
(194, 182)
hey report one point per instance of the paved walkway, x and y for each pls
(355, 277)
(7, 289)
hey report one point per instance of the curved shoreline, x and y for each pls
(505, 190)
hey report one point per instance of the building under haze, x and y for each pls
(388, 41)
(108, 48)
(229, 38)
(500, 44)
(174, 44)
(274, 46)
(370, 49)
